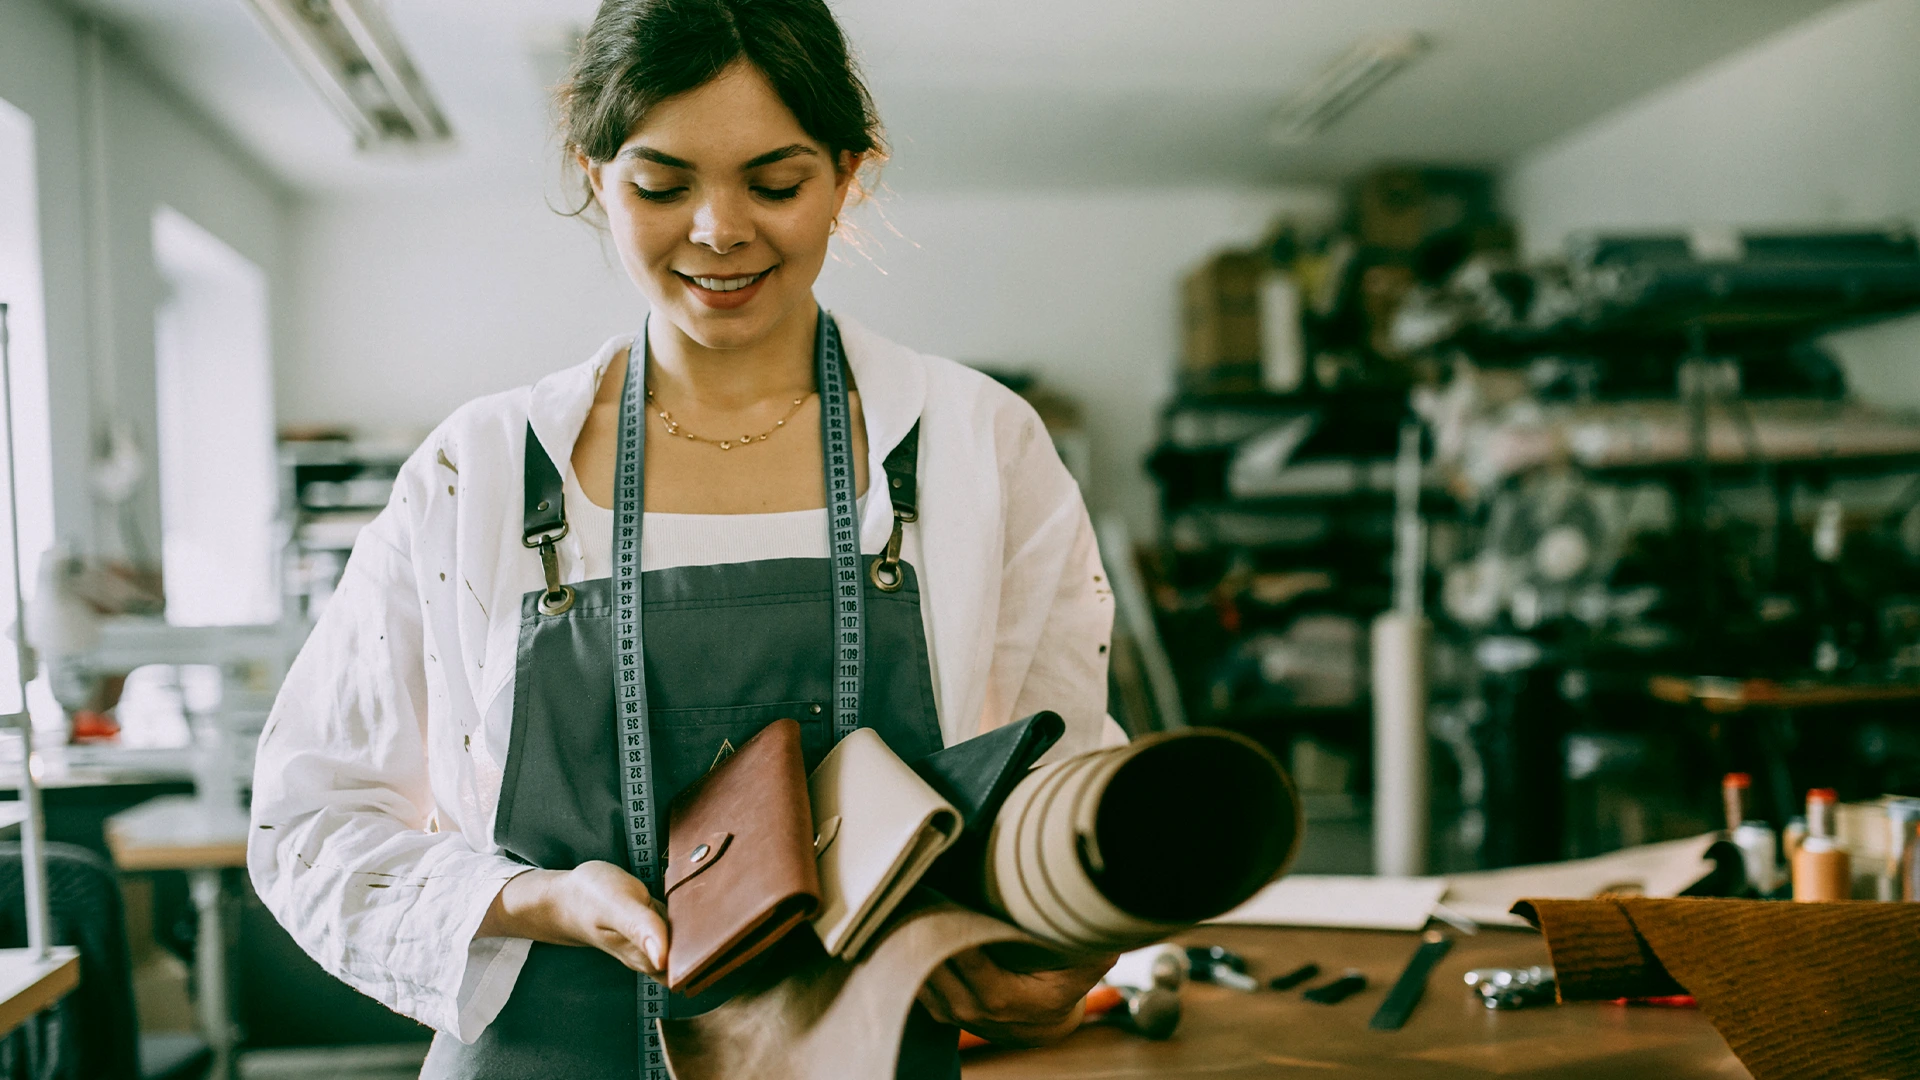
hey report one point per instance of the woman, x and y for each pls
(440, 818)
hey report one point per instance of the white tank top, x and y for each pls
(669, 540)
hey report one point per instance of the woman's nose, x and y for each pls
(722, 223)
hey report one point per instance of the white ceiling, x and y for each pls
(1012, 92)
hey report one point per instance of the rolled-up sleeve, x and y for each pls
(346, 849)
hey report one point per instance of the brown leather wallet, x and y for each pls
(740, 870)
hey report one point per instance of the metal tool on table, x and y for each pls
(1407, 990)
(1222, 967)
(1163, 965)
(1514, 988)
(1152, 1013)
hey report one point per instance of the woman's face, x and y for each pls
(721, 208)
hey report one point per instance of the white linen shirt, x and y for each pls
(379, 770)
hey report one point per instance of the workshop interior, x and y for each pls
(1499, 420)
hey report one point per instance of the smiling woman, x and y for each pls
(719, 147)
(451, 723)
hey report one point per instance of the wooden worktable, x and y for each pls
(29, 983)
(1227, 1035)
(174, 832)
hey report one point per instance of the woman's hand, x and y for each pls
(595, 904)
(1014, 1005)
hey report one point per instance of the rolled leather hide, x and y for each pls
(1113, 849)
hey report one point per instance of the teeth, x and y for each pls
(726, 284)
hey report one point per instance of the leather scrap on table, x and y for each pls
(832, 1020)
(1799, 991)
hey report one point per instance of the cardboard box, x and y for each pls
(1223, 329)
(1398, 209)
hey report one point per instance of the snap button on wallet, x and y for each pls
(740, 869)
(878, 827)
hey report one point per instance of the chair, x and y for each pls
(94, 1033)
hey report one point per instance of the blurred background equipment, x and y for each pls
(1642, 478)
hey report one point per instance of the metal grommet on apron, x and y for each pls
(614, 715)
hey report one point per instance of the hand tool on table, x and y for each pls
(1294, 978)
(1338, 990)
(1406, 992)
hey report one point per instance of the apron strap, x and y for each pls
(544, 520)
(903, 489)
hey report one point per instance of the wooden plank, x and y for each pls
(29, 984)
(175, 832)
(147, 856)
(1728, 696)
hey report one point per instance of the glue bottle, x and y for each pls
(1755, 839)
(1821, 870)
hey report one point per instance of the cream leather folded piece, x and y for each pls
(878, 828)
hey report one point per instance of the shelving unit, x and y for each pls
(329, 490)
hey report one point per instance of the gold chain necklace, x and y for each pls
(673, 426)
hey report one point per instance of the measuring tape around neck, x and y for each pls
(639, 806)
(843, 529)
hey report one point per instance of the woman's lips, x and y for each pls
(726, 297)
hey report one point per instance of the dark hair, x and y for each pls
(639, 53)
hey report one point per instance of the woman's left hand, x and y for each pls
(1012, 1007)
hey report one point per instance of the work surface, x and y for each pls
(29, 983)
(1225, 1035)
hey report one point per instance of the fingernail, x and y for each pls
(654, 952)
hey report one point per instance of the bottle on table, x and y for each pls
(1821, 870)
(1791, 836)
(1903, 816)
(1754, 838)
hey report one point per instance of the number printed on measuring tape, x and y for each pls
(630, 682)
(843, 530)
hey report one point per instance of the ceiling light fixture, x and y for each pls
(350, 53)
(1342, 84)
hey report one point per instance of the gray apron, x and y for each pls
(726, 650)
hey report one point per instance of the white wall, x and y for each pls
(157, 152)
(407, 306)
(1819, 125)
(1079, 287)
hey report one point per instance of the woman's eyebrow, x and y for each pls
(782, 154)
(647, 153)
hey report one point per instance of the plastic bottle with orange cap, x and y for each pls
(1821, 869)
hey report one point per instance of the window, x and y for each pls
(219, 495)
(20, 291)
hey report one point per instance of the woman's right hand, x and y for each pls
(595, 904)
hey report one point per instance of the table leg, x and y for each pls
(210, 967)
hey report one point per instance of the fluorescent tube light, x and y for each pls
(1342, 84)
(349, 52)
